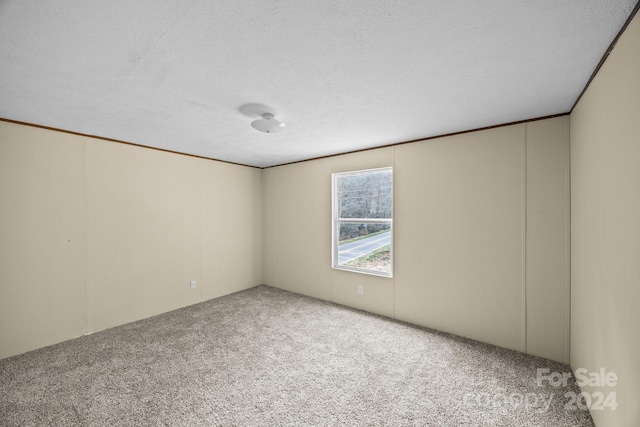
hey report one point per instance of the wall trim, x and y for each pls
(283, 164)
(86, 135)
(427, 138)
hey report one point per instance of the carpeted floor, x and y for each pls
(269, 357)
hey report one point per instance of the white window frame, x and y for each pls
(336, 221)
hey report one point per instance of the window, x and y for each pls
(362, 203)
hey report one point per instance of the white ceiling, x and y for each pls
(190, 76)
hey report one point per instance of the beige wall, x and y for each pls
(605, 231)
(42, 238)
(548, 239)
(94, 234)
(297, 239)
(97, 234)
(460, 235)
(463, 260)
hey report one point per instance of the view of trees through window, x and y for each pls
(364, 210)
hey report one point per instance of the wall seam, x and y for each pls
(201, 174)
(273, 231)
(333, 229)
(567, 354)
(524, 240)
(395, 243)
(263, 228)
(85, 229)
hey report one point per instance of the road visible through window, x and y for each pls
(363, 221)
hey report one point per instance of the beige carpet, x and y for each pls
(268, 357)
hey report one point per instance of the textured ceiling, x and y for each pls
(190, 76)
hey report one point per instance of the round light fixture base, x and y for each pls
(268, 124)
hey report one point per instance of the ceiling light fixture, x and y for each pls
(268, 124)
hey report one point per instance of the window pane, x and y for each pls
(365, 195)
(365, 246)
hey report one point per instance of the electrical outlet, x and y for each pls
(192, 284)
(360, 289)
